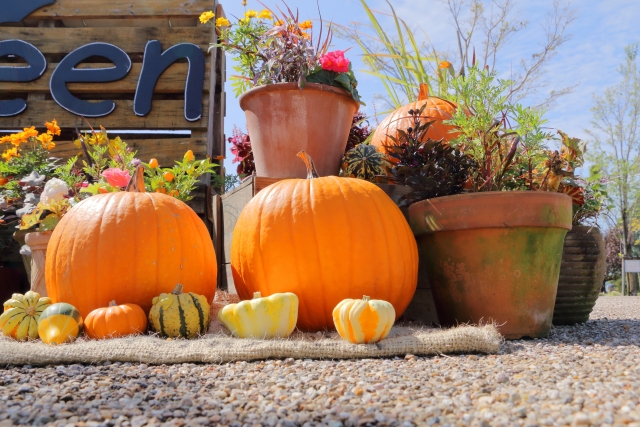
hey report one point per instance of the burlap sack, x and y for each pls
(219, 347)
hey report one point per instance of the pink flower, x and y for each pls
(117, 177)
(335, 61)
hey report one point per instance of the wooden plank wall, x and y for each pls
(60, 28)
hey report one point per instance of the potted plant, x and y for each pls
(492, 254)
(107, 167)
(296, 95)
(584, 258)
(25, 169)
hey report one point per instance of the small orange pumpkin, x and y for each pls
(129, 246)
(324, 239)
(115, 321)
(437, 110)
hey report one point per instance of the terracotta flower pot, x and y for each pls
(584, 263)
(494, 257)
(38, 243)
(282, 120)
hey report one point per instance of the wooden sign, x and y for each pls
(135, 65)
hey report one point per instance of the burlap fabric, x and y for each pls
(217, 346)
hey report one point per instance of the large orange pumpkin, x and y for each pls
(437, 110)
(324, 239)
(128, 246)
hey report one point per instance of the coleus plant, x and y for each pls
(431, 168)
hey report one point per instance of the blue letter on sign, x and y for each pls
(67, 73)
(155, 63)
(37, 66)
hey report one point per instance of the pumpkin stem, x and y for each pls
(112, 303)
(257, 295)
(31, 310)
(178, 289)
(366, 298)
(311, 167)
(136, 184)
(424, 92)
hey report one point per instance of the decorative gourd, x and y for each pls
(365, 162)
(437, 110)
(324, 239)
(180, 315)
(59, 323)
(115, 321)
(128, 246)
(269, 317)
(364, 321)
(21, 313)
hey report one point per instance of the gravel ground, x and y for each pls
(583, 375)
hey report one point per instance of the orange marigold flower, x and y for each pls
(305, 25)
(52, 127)
(29, 132)
(188, 156)
(46, 140)
(5, 139)
(445, 64)
(18, 138)
(278, 23)
(10, 154)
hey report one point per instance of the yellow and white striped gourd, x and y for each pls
(262, 317)
(364, 321)
(21, 313)
(60, 323)
(180, 315)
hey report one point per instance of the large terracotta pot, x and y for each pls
(282, 120)
(584, 263)
(494, 257)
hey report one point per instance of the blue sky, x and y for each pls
(589, 59)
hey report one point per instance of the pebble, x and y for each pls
(580, 375)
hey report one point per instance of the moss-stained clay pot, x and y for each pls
(494, 256)
(283, 120)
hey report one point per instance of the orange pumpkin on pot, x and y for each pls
(324, 239)
(436, 110)
(128, 246)
(115, 321)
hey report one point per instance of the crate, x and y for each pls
(65, 25)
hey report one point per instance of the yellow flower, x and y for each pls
(445, 64)
(278, 23)
(10, 154)
(222, 22)
(52, 127)
(244, 2)
(305, 35)
(5, 139)
(306, 25)
(46, 140)
(29, 132)
(244, 20)
(250, 14)
(18, 138)
(265, 14)
(207, 16)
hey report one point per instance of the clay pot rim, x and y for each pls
(36, 238)
(280, 87)
(586, 228)
(496, 207)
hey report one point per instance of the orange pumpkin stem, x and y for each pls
(424, 92)
(112, 303)
(257, 295)
(136, 185)
(178, 289)
(311, 167)
(366, 298)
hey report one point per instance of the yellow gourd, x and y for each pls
(21, 313)
(269, 317)
(364, 321)
(180, 315)
(60, 323)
